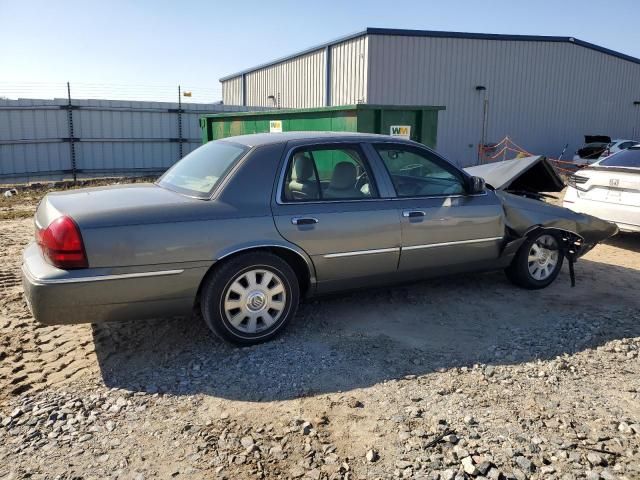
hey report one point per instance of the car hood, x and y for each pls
(115, 205)
(524, 214)
(522, 175)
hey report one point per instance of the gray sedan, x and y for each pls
(242, 228)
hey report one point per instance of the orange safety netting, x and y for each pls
(506, 147)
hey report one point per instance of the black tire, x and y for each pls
(519, 273)
(217, 286)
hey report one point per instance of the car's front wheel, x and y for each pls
(538, 262)
(250, 298)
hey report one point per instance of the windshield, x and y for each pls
(629, 158)
(198, 173)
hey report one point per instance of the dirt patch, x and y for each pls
(463, 377)
(33, 356)
(20, 201)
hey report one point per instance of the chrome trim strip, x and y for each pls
(417, 213)
(309, 220)
(100, 278)
(361, 252)
(484, 193)
(384, 199)
(445, 244)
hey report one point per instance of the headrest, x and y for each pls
(302, 167)
(344, 176)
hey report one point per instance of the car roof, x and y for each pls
(257, 139)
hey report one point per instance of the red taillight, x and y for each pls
(61, 243)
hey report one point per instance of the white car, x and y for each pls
(609, 189)
(600, 146)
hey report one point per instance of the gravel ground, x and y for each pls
(457, 378)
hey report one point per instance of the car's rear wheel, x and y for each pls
(538, 262)
(250, 298)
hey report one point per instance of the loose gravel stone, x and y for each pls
(372, 455)
(354, 389)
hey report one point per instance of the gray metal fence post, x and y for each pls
(72, 145)
(180, 121)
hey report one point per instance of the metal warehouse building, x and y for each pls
(544, 92)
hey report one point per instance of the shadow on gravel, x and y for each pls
(363, 338)
(628, 241)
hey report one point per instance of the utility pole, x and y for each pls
(485, 121)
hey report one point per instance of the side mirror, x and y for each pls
(476, 185)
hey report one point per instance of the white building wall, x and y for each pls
(542, 94)
(295, 83)
(232, 91)
(349, 65)
(300, 82)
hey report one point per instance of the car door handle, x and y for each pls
(413, 213)
(304, 220)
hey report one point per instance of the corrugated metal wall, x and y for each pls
(232, 91)
(295, 83)
(300, 82)
(544, 95)
(349, 64)
(114, 137)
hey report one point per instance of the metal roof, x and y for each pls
(439, 34)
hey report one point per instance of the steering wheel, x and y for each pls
(361, 180)
(299, 195)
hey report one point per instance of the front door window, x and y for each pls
(418, 174)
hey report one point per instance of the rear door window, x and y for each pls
(327, 173)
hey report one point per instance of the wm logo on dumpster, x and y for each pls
(403, 131)
(275, 126)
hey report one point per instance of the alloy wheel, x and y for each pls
(254, 300)
(543, 257)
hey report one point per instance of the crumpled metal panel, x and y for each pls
(523, 215)
(529, 174)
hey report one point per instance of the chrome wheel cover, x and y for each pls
(543, 257)
(254, 300)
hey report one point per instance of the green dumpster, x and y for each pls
(419, 123)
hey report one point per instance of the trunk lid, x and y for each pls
(616, 186)
(113, 205)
